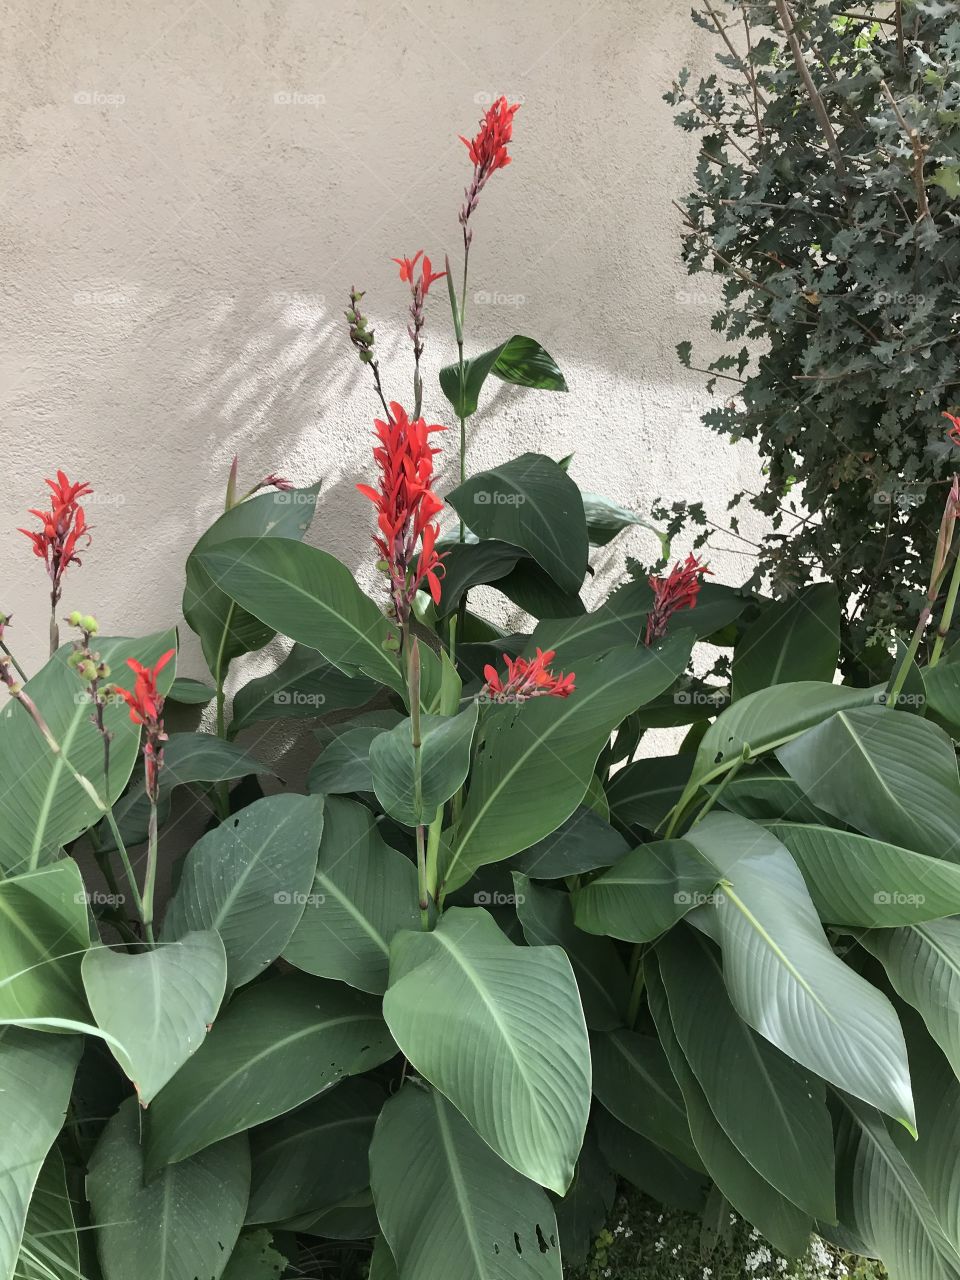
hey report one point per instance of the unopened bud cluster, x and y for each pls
(361, 335)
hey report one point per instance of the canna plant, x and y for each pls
(422, 1017)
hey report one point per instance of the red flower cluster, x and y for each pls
(678, 590)
(406, 507)
(146, 708)
(488, 151)
(418, 290)
(64, 525)
(953, 435)
(527, 678)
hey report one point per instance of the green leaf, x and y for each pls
(519, 360)
(249, 879)
(582, 843)
(534, 762)
(225, 630)
(583, 1211)
(605, 520)
(767, 719)
(363, 893)
(42, 806)
(533, 504)
(644, 792)
(648, 891)
(308, 595)
(890, 774)
(449, 1208)
(531, 589)
(344, 766)
(785, 980)
(854, 880)
(469, 564)
(948, 177)
(255, 1258)
(382, 1265)
(656, 1172)
(157, 1004)
(793, 639)
(743, 1076)
(941, 686)
(316, 1156)
(444, 762)
(783, 1224)
(304, 685)
(764, 793)
(44, 931)
(201, 757)
(278, 1044)
(499, 1030)
(546, 916)
(36, 1078)
(923, 965)
(179, 1225)
(50, 1249)
(191, 693)
(881, 1199)
(633, 1080)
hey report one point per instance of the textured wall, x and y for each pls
(189, 190)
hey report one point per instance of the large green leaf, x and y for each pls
(793, 639)
(644, 792)
(44, 931)
(784, 978)
(547, 919)
(202, 757)
(519, 360)
(582, 843)
(412, 790)
(42, 806)
(783, 1224)
(533, 504)
(767, 719)
(255, 1258)
(881, 1199)
(50, 1249)
(532, 590)
(250, 880)
(854, 880)
(888, 773)
(633, 1080)
(764, 792)
(344, 766)
(308, 595)
(304, 685)
(225, 630)
(743, 1076)
(278, 1044)
(363, 893)
(605, 519)
(658, 1173)
(648, 890)
(314, 1157)
(534, 762)
(468, 564)
(923, 965)
(157, 1004)
(583, 1211)
(36, 1078)
(449, 1208)
(499, 1030)
(941, 686)
(179, 1225)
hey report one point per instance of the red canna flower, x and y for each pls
(527, 678)
(418, 291)
(146, 708)
(953, 435)
(64, 526)
(406, 507)
(488, 151)
(678, 590)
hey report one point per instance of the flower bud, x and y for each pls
(103, 671)
(87, 670)
(89, 624)
(75, 618)
(75, 658)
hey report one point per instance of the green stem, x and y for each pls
(221, 791)
(14, 663)
(716, 793)
(636, 983)
(412, 650)
(434, 832)
(125, 860)
(943, 630)
(150, 881)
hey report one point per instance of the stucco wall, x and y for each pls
(190, 189)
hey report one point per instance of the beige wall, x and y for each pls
(178, 241)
